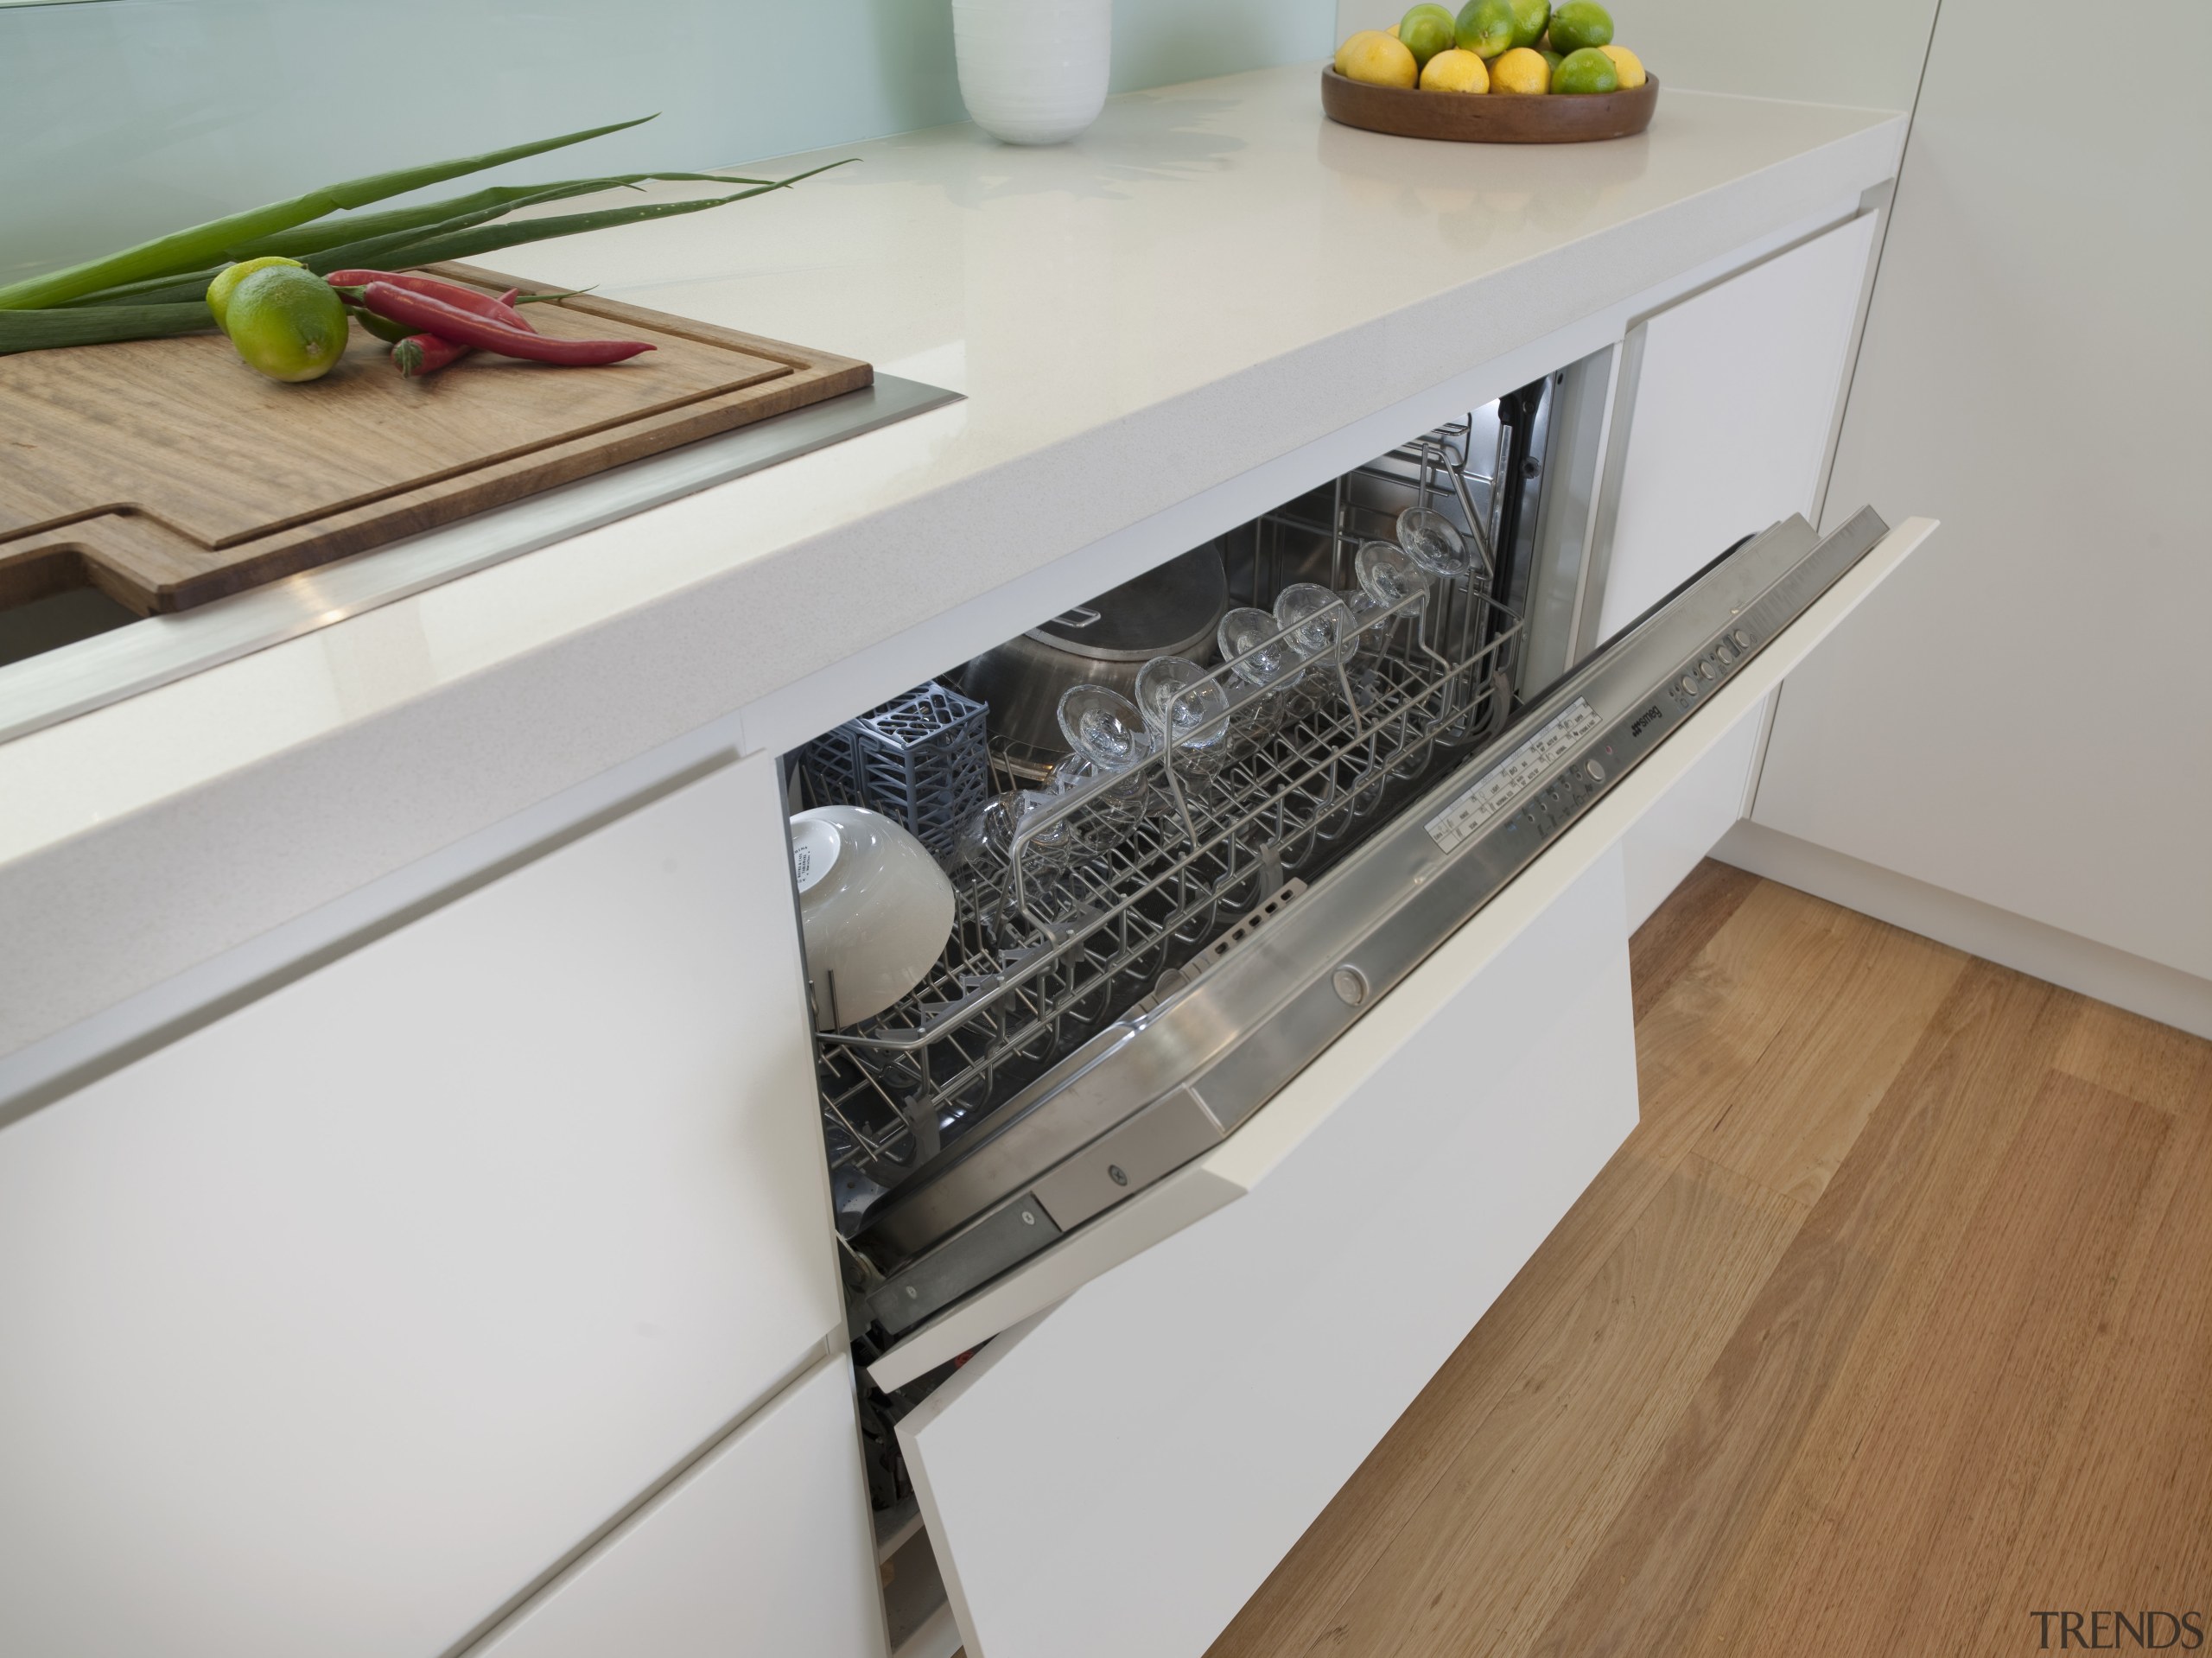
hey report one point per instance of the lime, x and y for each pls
(1529, 19)
(1454, 71)
(1579, 23)
(1426, 30)
(228, 278)
(1378, 60)
(1587, 70)
(1626, 65)
(1551, 58)
(1485, 26)
(287, 323)
(1520, 70)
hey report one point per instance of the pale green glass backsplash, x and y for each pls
(124, 118)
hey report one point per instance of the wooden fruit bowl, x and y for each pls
(1488, 117)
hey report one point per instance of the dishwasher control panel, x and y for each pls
(1506, 782)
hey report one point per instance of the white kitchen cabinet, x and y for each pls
(1688, 821)
(337, 1325)
(2034, 368)
(1725, 404)
(763, 1547)
(1119, 1475)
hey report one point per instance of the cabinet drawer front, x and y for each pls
(334, 1325)
(1727, 400)
(1688, 821)
(763, 1547)
(1174, 1425)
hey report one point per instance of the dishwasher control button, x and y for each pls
(1350, 984)
(1742, 639)
(1597, 771)
(1727, 651)
(1689, 686)
(1706, 670)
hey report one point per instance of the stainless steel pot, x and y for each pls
(1173, 611)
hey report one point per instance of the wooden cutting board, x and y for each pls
(167, 473)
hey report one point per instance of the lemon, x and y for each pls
(287, 323)
(1626, 65)
(1426, 30)
(1394, 31)
(228, 278)
(1344, 52)
(1579, 24)
(1520, 70)
(1379, 60)
(1454, 71)
(1530, 18)
(1586, 71)
(1485, 26)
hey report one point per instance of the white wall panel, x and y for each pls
(2020, 717)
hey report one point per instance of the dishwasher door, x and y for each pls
(1164, 1117)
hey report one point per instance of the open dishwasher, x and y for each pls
(1143, 954)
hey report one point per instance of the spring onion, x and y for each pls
(193, 249)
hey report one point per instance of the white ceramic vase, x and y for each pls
(1033, 72)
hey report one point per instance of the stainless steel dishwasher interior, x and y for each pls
(1050, 950)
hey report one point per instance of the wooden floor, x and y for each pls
(1891, 1326)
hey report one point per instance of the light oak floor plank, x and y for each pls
(1920, 1529)
(1973, 1378)
(1885, 986)
(1679, 929)
(1790, 1398)
(2120, 1517)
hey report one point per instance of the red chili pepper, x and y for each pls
(418, 354)
(469, 299)
(425, 354)
(467, 327)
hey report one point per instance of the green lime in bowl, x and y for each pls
(1587, 70)
(1579, 23)
(1485, 28)
(1425, 31)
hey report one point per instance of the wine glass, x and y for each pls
(1003, 817)
(1318, 622)
(1435, 543)
(1253, 643)
(1185, 710)
(1388, 574)
(1104, 727)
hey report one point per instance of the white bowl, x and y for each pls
(873, 906)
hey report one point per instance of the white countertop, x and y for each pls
(1212, 276)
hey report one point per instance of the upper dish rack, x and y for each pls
(1116, 884)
